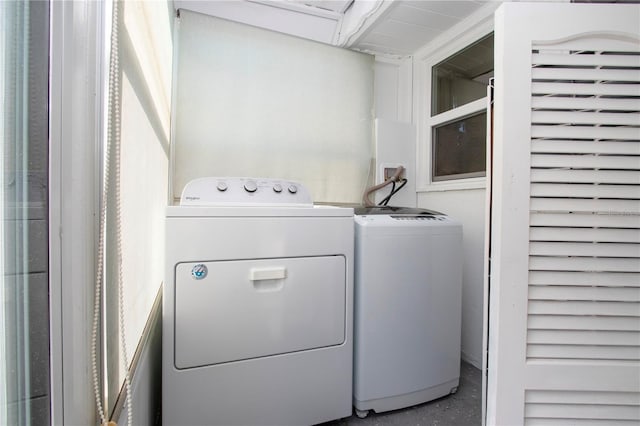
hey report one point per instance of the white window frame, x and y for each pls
(76, 96)
(467, 110)
(452, 42)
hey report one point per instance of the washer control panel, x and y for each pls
(213, 191)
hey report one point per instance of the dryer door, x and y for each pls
(242, 309)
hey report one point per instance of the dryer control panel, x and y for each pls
(244, 191)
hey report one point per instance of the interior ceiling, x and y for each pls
(387, 27)
(408, 25)
(403, 26)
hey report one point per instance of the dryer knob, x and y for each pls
(250, 186)
(293, 189)
(277, 188)
(222, 186)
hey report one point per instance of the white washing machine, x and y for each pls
(408, 285)
(257, 309)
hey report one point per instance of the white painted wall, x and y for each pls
(395, 147)
(394, 131)
(468, 207)
(392, 88)
(254, 102)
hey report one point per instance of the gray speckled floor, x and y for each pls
(460, 409)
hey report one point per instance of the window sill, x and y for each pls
(454, 185)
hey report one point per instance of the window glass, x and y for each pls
(463, 77)
(24, 236)
(459, 148)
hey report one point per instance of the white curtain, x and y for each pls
(145, 47)
(253, 102)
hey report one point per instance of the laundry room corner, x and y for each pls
(468, 207)
(319, 212)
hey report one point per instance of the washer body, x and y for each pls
(257, 314)
(408, 285)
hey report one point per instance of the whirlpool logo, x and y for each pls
(199, 271)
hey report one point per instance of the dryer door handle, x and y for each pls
(273, 273)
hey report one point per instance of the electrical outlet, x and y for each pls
(390, 171)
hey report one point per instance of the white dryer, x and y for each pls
(408, 285)
(257, 309)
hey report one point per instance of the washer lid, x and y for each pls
(395, 211)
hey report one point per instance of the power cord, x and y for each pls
(385, 200)
(366, 201)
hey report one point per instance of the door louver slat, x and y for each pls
(598, 235)
(612, 162)
(582, 337)
(624, 250)
(615, 294)
(583, 422)
(585, 176)
(598, 88)
(585, 59)
(603, 279)
(582, 117)
(567, 322)
(585, 132)
(591, 307)
(582, 352)
(554, 190)
(613, 75)
(582, 397)
(593, 264)
(580, 411)
(588, 220)
(620, 207)
(587, 103)
(547, 407)
(585, 147)
(570, 88)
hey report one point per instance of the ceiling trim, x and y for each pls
(339, 6)
(301, 21)
(300, 7)
(359, 20)
(470, 29)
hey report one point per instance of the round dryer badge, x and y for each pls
(199, 271)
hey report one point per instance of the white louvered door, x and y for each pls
(564, 308)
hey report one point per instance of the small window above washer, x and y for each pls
(457, 121)
(462, 77)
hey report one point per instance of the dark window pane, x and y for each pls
(463, 77)
(459, 148)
